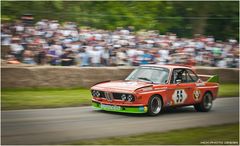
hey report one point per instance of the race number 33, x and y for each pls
(179, 96)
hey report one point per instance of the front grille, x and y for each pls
(117, 96)
(109, 95)
(102, 95)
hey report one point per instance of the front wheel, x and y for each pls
(206, 104)
(154, 105)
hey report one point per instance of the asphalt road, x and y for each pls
(63, 125)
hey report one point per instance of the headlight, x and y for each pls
(98, 94)
(130, 98)
(95, 93)
(123, 97)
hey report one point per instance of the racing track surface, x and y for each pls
(62, 125)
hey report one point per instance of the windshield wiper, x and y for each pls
(146, 79)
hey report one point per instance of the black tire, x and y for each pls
(154, 105)
(206, 104)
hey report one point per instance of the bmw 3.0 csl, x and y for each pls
(150, 88)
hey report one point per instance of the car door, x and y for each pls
(180, 93)
(192, 79)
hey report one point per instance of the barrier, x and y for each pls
(57, 76)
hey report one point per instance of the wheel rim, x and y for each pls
(156, 105)
(208, 101)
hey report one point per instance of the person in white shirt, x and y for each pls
(131, 53)
(105, 57)
(16, 48)
(121, 57)
(164, 55)
(95, 57)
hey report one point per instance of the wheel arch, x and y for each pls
(155, 110)
(208, 91)
(160, 96)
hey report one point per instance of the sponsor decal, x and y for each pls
(110, 107)
(143, 108)
(169, 102)
(200, 84)
(179, 96)
(196, 94)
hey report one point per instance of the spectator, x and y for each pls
(11, 59)
(164, 55)
(121, 58)
(28, 57)
(105, 57)
(41, 57)
(66, 58)
(53, 58)
(16, 48)
(146, 58)
(84, 58)
(50, 42)
(95, 57)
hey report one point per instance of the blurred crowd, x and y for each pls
(65, 44)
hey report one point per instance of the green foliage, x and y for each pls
(183, 18)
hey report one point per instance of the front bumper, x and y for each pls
(119, 108)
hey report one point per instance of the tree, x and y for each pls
(218, 18)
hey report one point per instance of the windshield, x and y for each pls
(150, 74)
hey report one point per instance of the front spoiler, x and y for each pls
(121, 109)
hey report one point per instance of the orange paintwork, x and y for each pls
(142, 91)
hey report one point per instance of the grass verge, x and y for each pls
(229, 90)
(58, 97)
(44, 98)
(221, 134)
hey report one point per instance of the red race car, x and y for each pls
(150, 88)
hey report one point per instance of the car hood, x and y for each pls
(121, 86)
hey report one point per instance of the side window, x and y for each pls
(179, 74)
(159, 76)
(192, 77)
(185, 75)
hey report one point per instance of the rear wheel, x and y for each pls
(154, 105)
(206, 104)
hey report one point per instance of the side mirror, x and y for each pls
(178, 81)
(199, 81)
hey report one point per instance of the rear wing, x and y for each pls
(210, 78)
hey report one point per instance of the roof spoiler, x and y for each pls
(211, 78)
(214, 78)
